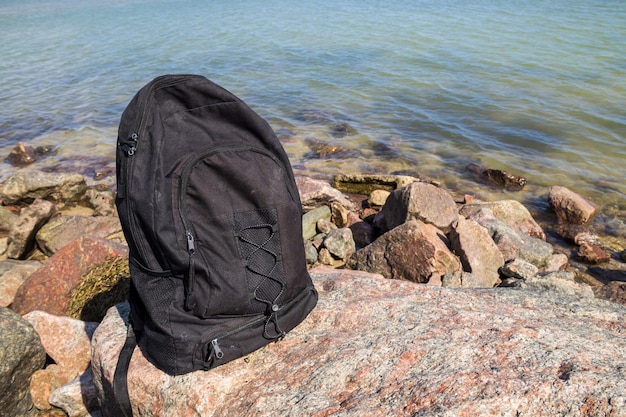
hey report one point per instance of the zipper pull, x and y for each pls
(191, 245)
(130, 145)
(216, 349)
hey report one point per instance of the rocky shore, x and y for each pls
(514, 319)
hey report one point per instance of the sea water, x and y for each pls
(536, 88)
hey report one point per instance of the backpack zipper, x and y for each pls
(188, 227)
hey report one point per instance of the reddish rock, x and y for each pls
(48, 288)
(314, 193)
(571, 207)
(594, 254)
(13, 274)
(414, 251)
(22, 154)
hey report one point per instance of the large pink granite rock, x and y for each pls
(378, 347)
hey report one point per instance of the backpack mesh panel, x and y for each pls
(259, 246)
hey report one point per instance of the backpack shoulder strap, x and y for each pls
(120, 378)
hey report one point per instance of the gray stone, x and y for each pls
(314, 193)
(511, 212)
(340, 243)
(310, 252)
(364, 184)
(29, 185)
(310, 219)
(519, 268)
(7, 218)
(78, 397)
(418, 201)
(375, 347)
(560, 282)
(414, 251)
(21, 354)
(22, 236)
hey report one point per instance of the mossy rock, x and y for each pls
(100, 288)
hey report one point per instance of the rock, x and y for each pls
(49, 288)
(7, 218)
(415, 350)
(310, 219)
(594, 254)
(103, 202)
(561, 281)
(12, 275)
(340, 130)
(365, 184)
(22, 236)
(78, 397)
(511, 212)
(310, 252)
(68, 343)
(340, 243)
(325, 226)
(477, 251)
(414, 251)
(497, 177)
(378, 198)
(21, 354)
(29, 185)
(519, 268)
(324, 150)
(614, 291)
(21, 155)
(420, 201)
(557, 262)
(362, 234)
(326, 258)
(339, 214)
(314, 193)
(62, 230)
(571, 207)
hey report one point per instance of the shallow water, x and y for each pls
(533, 88)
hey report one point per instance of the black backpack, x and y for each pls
(213, 220)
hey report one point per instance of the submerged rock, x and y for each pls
(497, 177)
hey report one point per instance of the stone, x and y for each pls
(62, 230)
(414, 251)
(557, 262)
(478, 252)
(78, 397)
(571, 207)
(561, 281)
(32, 184)
(22, 154)
(7, 218)
(614, 291)
(325, 226)
(21, 354)
(415, 350)
(22, 236)
(103, 202)
(519, 268)
(12, 275)
(340, 243)
(310, 219)
(48, 289)
(362, 234)
(511, 212)
(67, 342)
(496, 177)
(593, 254)
(314, 193)
(365, 184)
(339, 214)
(420, 201)
(310, 253)
(378, 198)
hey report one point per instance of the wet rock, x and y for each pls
(314, 193)
(571, 207)
(341, 130)
(30, 185)
(477, 251)
(22, 236)
(496, 177)
(325, 150)
(21, 354)
(415, 350)
(340, 243)
(7, 218)
(519, 268)
(420, 201)
(62, 230)
(68, 343)
(413, 251)
(12, 275)
(511, 212)
(21, 155)
(310, 219)
(365, 184)
(49, 288)
(593, 254)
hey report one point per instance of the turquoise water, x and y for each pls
(535, 87)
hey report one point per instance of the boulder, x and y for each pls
(365, 184)
(78, 397)
(414, 251)
(314, 193)
(478, 252)
(49, 288)
(32, 184)
(67, 343)
(7, 218)
(61, 230)
(340, 243)
(511, 212)
(22, 236)
(21, 354)
(571, 207)
(419, 201)
(519, 268)
(12, 276)
(415, 350)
